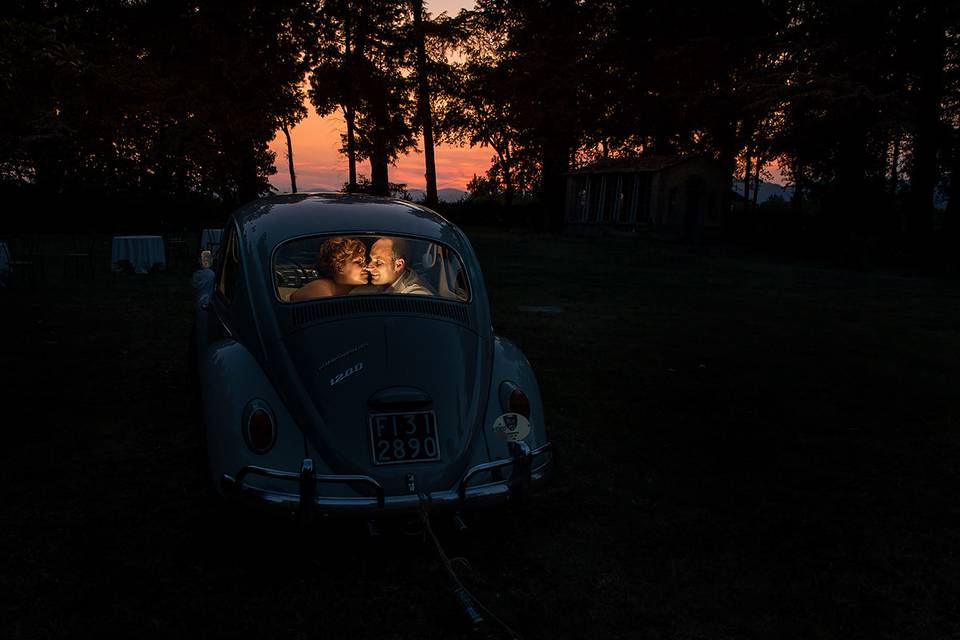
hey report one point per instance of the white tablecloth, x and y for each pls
(142, 251)
(210, 237)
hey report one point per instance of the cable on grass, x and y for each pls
(463, 594)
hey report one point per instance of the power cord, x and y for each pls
(467, 599)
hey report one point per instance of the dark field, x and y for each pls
(747, 450)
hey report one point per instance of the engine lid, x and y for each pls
(367, 375)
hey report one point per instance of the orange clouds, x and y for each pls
(319, 164)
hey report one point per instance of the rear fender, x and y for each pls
(230, 378)
(509, 364)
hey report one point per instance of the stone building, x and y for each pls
(684, 194)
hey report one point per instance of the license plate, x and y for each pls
(404, 437)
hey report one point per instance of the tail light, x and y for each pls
(513, 399)
(259, 427)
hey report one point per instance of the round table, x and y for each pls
(143, 252)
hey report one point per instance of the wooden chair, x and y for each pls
(176, 246)
(81, 252)
(24, 260)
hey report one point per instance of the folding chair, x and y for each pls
(24, 260)
(176, 248)
(80, 252)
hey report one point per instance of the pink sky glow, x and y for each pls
(320, 165)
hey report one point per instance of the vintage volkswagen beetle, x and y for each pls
(368, 403)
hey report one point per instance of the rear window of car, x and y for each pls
(340, 265)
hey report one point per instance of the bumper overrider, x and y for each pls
(306, 500)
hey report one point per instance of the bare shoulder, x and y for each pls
(319, 288)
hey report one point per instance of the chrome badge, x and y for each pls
(343, 375)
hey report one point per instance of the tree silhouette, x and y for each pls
(482, 108)
(173, 102)
(424, 117)
(166, 100)
(357, 69)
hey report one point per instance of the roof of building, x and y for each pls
(639, 164)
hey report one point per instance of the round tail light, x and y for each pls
(513, 399)
(259, 427)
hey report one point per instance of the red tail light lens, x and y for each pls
(259, 428)
(513, 399)
(519, 403)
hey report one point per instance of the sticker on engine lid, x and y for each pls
(512, 427)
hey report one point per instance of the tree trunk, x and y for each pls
(248, 181)
(351, 150)
(923, 173)
(799, 184)
(726, 133)
(756, 182)
(556, 152)
(379, 160)
(507, 180)
(846, 206)
(293, 176)
(895, 164)
(348, 112)
(746, 179)
(951, 222)
(423, 105)
(506, 169)
(379, 168)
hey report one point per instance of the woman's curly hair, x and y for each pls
(336, 252)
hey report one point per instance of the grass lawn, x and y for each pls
(747, 449)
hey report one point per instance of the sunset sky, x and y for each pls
(319, 164)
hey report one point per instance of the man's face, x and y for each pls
(383, 268)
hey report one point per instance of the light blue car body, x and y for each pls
(323, 367)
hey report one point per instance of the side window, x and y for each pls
(230, 269)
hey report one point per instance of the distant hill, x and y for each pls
(767, 190)
(310, 189)
(444, 195)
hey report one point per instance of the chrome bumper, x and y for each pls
(307, 501)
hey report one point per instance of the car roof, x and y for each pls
(273, 220)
